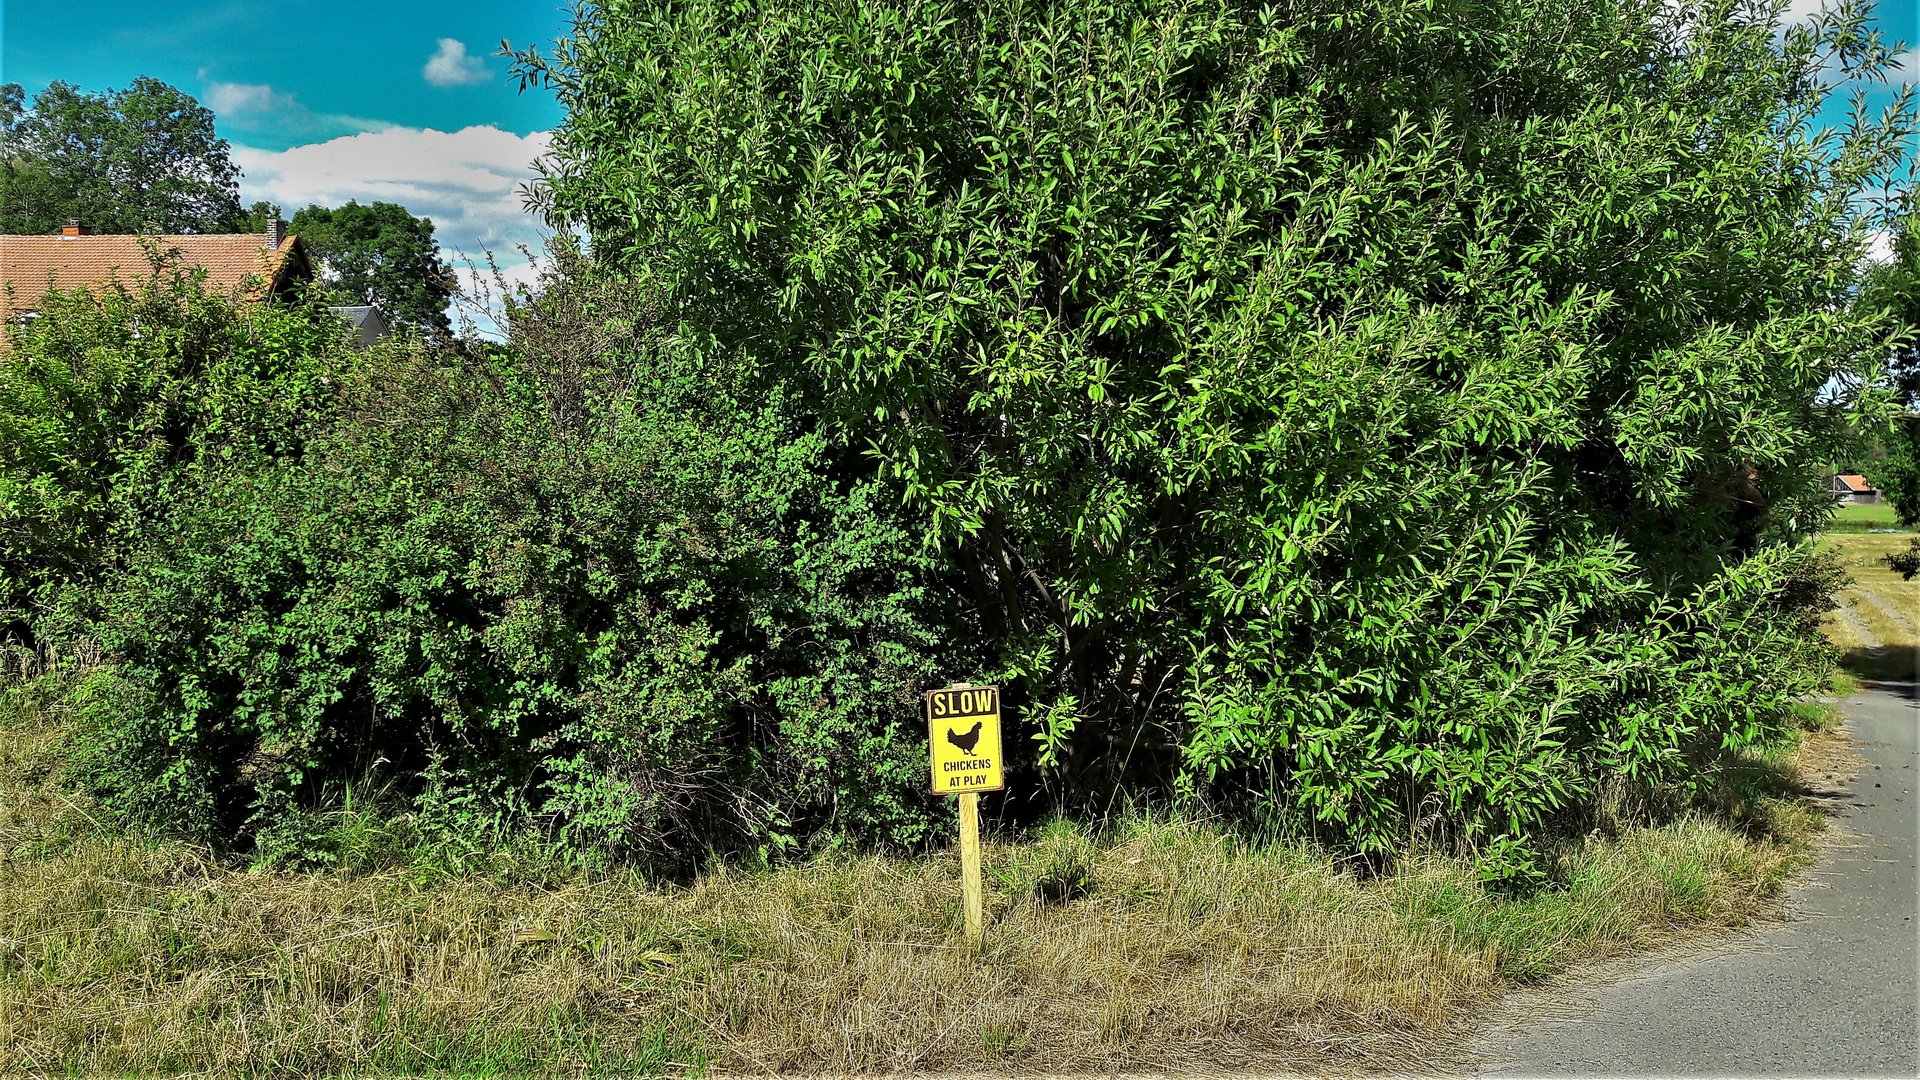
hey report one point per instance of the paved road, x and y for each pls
(1831, 992)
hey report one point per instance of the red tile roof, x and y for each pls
(241, 264)
(1855, 482)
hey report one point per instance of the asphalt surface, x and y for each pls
(1830, 992)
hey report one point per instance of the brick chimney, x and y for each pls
(276, 228)
(74, 228)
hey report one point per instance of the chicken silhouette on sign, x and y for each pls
(964, 739)
(967, 742)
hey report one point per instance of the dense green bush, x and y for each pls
(113, 401)
(585, 583)
(1364, 410)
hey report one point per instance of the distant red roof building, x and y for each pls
(248, 266)
(1852, 487)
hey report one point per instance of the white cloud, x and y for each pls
(259, 107)
(1906, 67)
(1879, 246)
(469, 182)
(451, 66)
(1799, 11)
(228, 98)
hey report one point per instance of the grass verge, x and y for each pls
(1149, 944)
(1859, 517)
(1842, 684)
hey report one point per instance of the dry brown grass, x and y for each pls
(1163, 946)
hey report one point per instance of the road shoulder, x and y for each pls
(1830, 990)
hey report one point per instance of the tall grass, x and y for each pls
(1147, 943)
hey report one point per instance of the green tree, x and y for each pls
(381, 255)
(145, 158)
(1895, 288)
(1358, 410)
(257, 216)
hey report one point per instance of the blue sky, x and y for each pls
(401, 101)
(300, 70)
(1899, 21)
(334, 68)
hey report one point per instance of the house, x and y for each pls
(255, 267)
(1853, 488)
(367, 323)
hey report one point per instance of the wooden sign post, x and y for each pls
(972, 897)
(963, 740)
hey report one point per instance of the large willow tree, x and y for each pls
(1403, 413)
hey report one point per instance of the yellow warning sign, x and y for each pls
(964, 734)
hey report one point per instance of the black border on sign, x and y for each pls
(998, 718)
